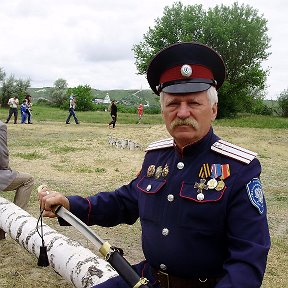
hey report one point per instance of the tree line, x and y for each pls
(237, 32)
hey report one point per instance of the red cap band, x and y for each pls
(198, 71)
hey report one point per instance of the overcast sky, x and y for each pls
(90, 41)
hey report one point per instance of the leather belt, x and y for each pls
(168, 281)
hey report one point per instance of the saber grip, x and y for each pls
(126, 271)
(56, 208)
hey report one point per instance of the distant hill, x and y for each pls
(124, 96)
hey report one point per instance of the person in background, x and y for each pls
(140, 112)
(113, 113)
(23, 110)
(13, 110)
(29, 108)
(10, 179)
(72, 105)
(199, 198)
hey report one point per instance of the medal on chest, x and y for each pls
(158, 172)
(211, 178)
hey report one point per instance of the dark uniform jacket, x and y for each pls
(190, 227)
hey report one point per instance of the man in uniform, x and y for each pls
(10, 179)
(199, 198)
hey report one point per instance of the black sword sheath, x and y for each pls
(111, 254)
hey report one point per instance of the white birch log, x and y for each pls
(67, 257)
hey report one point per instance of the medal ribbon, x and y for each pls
(216, 170)
(225, 171)
(204, 171)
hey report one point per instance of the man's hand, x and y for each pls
(49, 200)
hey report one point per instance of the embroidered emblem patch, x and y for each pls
(255, 193)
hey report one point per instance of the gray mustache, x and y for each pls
(188, 122)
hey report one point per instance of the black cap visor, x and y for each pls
(191, 86)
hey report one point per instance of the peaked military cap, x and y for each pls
(186, 67)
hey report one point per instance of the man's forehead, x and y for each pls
(185, 96)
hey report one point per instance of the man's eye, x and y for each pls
(194, 103)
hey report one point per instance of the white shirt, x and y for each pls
(13, 102)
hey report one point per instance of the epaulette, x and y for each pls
(233, 151)
(165, 143)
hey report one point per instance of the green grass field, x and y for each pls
(77, 160)
(44, 113)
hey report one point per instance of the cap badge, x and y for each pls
(186, 70)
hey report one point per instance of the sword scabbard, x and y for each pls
(111, 254)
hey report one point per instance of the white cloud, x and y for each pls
(90, 42)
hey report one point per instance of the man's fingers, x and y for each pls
(42, 188)
(49, 214)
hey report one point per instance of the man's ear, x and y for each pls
(214, 111)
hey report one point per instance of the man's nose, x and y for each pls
(183, 111)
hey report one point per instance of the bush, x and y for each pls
(260, 108)
(100, 107)
(43, 102)
(283, 103)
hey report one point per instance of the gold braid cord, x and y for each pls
(142, 281)
(105, 250)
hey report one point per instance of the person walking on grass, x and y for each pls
(13, 103)
(29, 108)
(23, 110)
(72, 105)
(140, 112)
(113, 113)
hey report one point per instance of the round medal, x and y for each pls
(200, 197)
(220, 185)
(212, 183)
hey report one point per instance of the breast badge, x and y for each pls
(157, 172)
(151, 170)
(200, 187)
(165, 171)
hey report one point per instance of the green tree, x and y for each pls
(13, 87)
(58, 94)
(2, 74)
(283, 103)
(238, 33)
(178, 23)
(84, 97)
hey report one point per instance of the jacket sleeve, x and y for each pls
(106, 208)
(248, 237)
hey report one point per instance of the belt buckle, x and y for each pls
(162, 275)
